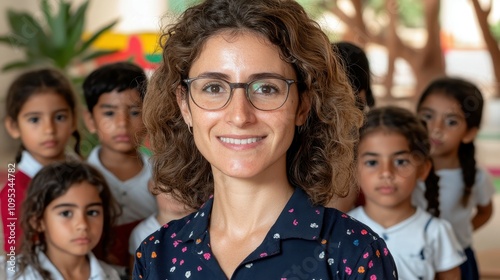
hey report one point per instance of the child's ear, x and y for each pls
(470, 135)
(89, 121)
(184, 105)
(425, 168)
(12, 128)
(39, 226)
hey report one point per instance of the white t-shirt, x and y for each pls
(421, 245)
(141, 231)
(133, 195)
(98, 270)
(451, 188)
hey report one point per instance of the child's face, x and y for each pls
(446, 124)
(44, 124)
(387, 170)
(117, 120)
(72, 223)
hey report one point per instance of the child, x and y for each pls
(68, 209)
(41, 112)
(169, 209)
(357, 68)
(393, 154)
(452, 109)
(114, 95)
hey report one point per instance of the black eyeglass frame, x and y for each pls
(245, 86)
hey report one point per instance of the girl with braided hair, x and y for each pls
(393, 156)
(452, 109)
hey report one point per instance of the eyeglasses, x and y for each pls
(264, 94)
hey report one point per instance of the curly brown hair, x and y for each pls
(320, 159)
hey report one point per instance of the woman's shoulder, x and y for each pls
(341, 226)
(175, 229)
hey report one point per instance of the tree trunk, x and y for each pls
(489, 40)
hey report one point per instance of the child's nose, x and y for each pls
(49, 126)
(386, 170)
(81, 222)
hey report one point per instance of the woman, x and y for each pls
(251, 112)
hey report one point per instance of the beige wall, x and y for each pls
(8, 147)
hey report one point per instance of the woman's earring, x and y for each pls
(190, 129)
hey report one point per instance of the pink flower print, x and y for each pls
(151, 238)
(263, 255)
(173, 235)
(364, 232)
(373, 277)
(283, 278)
(295, 222)
(344, 216)
(366, 255)
(290, 211)
(181, 262)
(174, 260)
(165, 226)
(176, 243)
(348, 270)
(370, 264)
(386, 252)
(199, 268)
(344, 260)
(184, 249)
(206, 256)
(317, 212)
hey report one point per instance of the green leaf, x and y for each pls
(14, 41)
(46, 9)
(16, 64)
(96, 35)
(97, 54)
(75, 29)
(59, 27)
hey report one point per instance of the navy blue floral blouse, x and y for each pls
(306, 242)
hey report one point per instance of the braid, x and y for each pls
(19, 153)
(432, 192)
(78, 139)
(468, 163)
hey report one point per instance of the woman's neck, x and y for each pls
(242, 207)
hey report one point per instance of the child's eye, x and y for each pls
(108, 113)
(34, 120)
(66, 214)
(401, 162)
(425, 116)
(135, 113)
(61, 117)
(370, 163)
(451, 122)
(93, 213)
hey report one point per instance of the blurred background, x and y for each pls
(408, 43)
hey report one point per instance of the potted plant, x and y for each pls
(56, 40)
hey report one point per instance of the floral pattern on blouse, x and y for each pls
(306, 242)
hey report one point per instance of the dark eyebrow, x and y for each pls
(426, 109)
(253, 77)
(108, 106)
(36, 113)
(447, 115)
(71, 205)
(398, 153)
